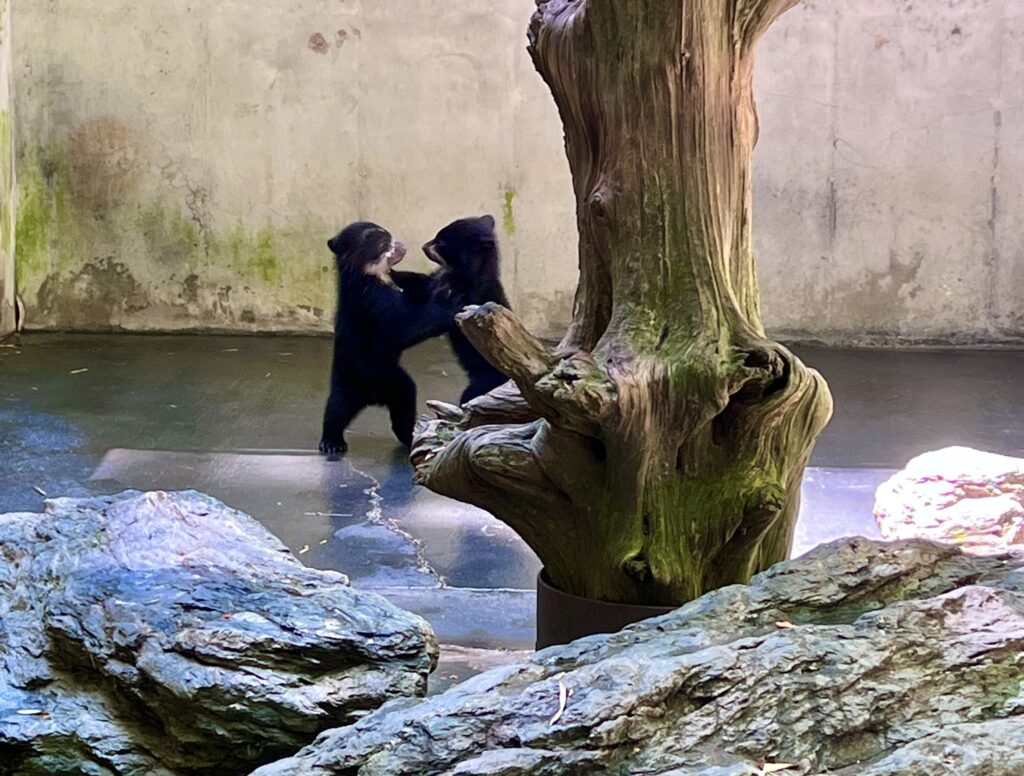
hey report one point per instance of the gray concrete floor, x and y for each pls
(239, 418)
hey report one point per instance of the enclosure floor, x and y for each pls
(239, 418)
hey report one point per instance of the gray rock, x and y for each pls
(858, 658)
(957, 495)
(993, 748)
(165, 633)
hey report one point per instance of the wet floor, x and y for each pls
(239, 418)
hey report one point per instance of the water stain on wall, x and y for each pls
(103, 156)
(881, 301)
(190, 289)
(103, 290)
(884, 295)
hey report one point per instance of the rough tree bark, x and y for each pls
(657, 453)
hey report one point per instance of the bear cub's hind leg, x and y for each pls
(400, 398)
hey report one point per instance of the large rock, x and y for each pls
(956, 495)
(165, 633)
(861, 659)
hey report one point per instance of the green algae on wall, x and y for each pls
(33, 224)
(5, 143)
(8, 182)
(7, 239)
(150, 262)
(509, 219)
(256, 253)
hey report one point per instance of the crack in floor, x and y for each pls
(375, 516)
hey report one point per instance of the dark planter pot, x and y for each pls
(562, 617)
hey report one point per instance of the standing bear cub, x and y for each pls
(380, 313)
(470, 274)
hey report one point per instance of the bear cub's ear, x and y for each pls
(489, 220)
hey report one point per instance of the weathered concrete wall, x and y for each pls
(8, 201)
(890, 174)
(181, 163)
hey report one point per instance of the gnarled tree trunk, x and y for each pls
(658, 452)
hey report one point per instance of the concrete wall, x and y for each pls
(890, 174)
(8, 202)
(182, 162)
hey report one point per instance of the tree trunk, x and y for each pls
(658, 452)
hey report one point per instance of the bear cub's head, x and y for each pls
(466, 248)
(368, 249)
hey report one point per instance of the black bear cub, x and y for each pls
(470, 274)
(380, 313)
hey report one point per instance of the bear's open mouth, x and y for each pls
(432, 253)
(381, 268)
(395, 253)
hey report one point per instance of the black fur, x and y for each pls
(467, 252)
(375, 322)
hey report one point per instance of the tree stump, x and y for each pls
(657, 453)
